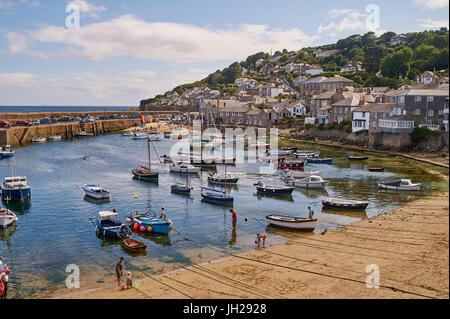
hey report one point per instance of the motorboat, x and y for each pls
(306, 154)
(184, 168)
(400, 185)
(7, 218)
(139, 136)
(15, 188)
(299, 174)
(39, 140)
(84, 134)
(55, 138)
(108, 225)
(95, 191)
(7, 152)
(311, 181)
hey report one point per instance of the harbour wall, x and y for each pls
(22, 135)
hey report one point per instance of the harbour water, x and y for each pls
(55, 228)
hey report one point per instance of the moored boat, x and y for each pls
(181, 189)
(7, 218)
(84, 134)
(289, 222)
(357, 158)
(145, 173)
(344, 203)
(39, 140)
(7, 152)
(184, 168)
(300, 174)
(291, 164)
(280, 152)
(273, 189)
(15, 188)
(108, 225)
(134, 245)
(400, 185)
(55, 138)
(95, 191)
(376, 169)
(222, 178)
(311, 181)
(306, 154)
(139, 136)
(319, 160)
(216, 197)
(151, 224)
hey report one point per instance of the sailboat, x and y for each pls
(216, 196)
(225, 179)
(146, 173)
(182, 189)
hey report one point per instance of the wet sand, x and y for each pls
(410, 247)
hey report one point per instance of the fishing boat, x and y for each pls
(400, 185)
(344, 203)
(55, 138)
(184, 168)
(145, 173)
(134, 245)
(84, 134)
(39, 140)
(289, 222)
(139, 136)
(376, 169)
(299, 174)
(222, 178)
(273, 190)
(312, 181)
(306, 154)
(319, 160)
(15, 188)
(95, 191)
(291, 164)
(357, 158)
(7, 218)
(108, 225)
(152, 224)
(7, 152)
(216, 196)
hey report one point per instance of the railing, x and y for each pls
(393, 124)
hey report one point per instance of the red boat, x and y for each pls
(290, 165)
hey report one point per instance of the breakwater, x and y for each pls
(23, 135)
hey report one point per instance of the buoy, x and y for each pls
(122, 287)
(246, 219)
(128, 220)
(114, 210)
(136, 226)
(162, 207)
(149, 229)
(142, 229)
(136, 196)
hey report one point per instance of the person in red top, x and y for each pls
(234, 217)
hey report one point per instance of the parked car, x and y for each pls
(78, 119)
(35, 122)
(65, 119)
(46, 120)
(23, 123)
(4, 124)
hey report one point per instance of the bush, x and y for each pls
(420, 134)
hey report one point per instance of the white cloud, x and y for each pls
(430, 23)
(175, 42)
(431, 4)
(87, 8)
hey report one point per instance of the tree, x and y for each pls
(397, 64)
(356, 55)
(230, 74)
(372, 57)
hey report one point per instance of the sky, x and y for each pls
(119, 52)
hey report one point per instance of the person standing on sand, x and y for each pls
(234, 216)
(119, 270)
(310, 213)
(258, 240)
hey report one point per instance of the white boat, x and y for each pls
(312, 181)
(84, 134)
(280, 152)
(299, 174)
(400, 185)
(39, 140)
(184, 168)
(155, 137)
(296, 223)
(306, 154)
(127, 134)
(56, 137)
(95, 191)
(139, 136)
(7, 218)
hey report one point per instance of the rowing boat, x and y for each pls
(344, 203)
(134, 245)
(289, 222)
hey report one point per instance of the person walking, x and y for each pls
(119, 270)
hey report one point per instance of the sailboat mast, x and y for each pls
(148, 147)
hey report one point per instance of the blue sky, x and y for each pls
(124, 51)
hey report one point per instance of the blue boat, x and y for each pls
(273, 190)
(216, 197)
(319, 160)
(109, 226)
(6, 152)
(180, 189)
(152, 224)
(15, 188)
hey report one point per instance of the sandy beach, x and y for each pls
(410, 247)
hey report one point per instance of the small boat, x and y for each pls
(222, 179)
(95, 191)
(109, 226)
(167, 134)
(215, 196)
(400, 185)
(127, 133)
(181, 189)
(15, 188)
(357, 158)
(145, 173)
(7, 152)
(184, 168)
(319, 160)
(376, 169)
(39, 140)
(134, 245)
(280, 152)
(139, 136)
(84, 134)
(311, 181)
(306, 154)
(155, 138)
(7, 218)
(293, 149)
(344, 203)
(299, 174)
(55, 138)
(291, 164)
(273, 190)
(272, 158)
(289, 222)
(152, 224)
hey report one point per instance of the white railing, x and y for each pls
(395, 124)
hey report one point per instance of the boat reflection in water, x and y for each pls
(284, 197)
(6, 233)
(313, 192)
(18, 207)
(96, 201)
(158, 238)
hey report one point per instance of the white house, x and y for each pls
(398, 39)
(314, 70)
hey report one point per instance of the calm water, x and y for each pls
(40, 108)
(55, 230)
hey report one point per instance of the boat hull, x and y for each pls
(319, 160)
(351, 205)
(227, 201)
(301, 224)
(180, 190)
(309, 184)
(145, 177)
(6, 154)
(222, 180)
(16, 194)
(7, 218)
(157, 225)
(275, 191)
(414, 187)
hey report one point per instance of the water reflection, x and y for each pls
(99, 201)
(18, 207)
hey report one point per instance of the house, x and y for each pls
(256, 117)
(271, 90)
(297, 108)
(322, 114)
(320, 53)
(299, 80)
(445, 113)
(352, 67)
(399, 39)
(230, 115)
(368, 116)
(427, 78)
(315, 70)
(343, 109)
(320, 84)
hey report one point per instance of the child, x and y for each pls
(264, 236)
(129, 281)
(258, 240)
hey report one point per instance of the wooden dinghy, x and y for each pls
(134, 245)
(289, 222)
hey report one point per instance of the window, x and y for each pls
(417, 112)
(418, 98)
(430, 112)
(430, 98)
